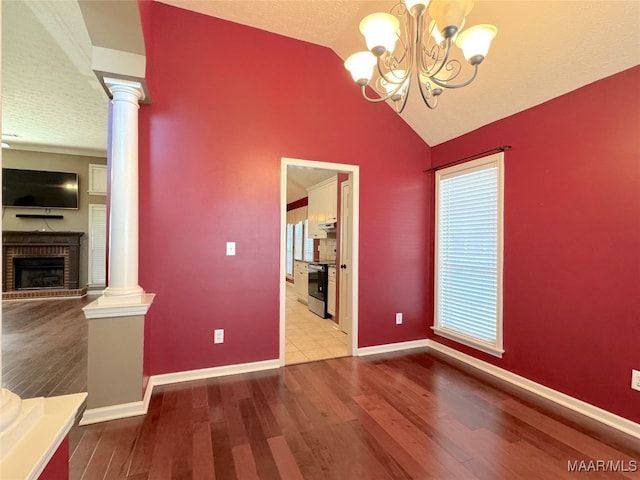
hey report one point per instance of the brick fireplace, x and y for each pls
(41, 264)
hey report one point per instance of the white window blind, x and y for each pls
(297, 243)
(308, 243)
(289, 250)
(97, 245)
(469, 253)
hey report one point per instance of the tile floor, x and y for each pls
(309, 337)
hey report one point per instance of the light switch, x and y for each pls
(231, 248)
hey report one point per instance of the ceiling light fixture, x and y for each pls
(422, 50)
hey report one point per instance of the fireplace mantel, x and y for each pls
(19, 244)
(38, 237)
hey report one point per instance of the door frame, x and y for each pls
(354, 176)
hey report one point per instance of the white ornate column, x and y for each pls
(123, 213)
(116, 319)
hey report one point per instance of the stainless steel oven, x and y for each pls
(318, 279)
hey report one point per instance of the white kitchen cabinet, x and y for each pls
(323, 206)
(331, 292)
(301, 281)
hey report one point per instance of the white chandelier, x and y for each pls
(424, 52)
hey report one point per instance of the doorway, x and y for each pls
(350, 285)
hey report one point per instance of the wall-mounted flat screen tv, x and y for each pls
(39, 189)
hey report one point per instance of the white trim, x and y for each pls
(16, 144)
(354, 174)
(485, 347)
(187, 376)
(98, 310)
(392, 347)
(37, 441)
(591, 411)
(114, 412)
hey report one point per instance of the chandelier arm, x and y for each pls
(373, 99)
(428, 97)
(444, 62)
(459, 85)
(401, 12)
(402, 102)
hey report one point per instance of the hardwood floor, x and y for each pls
(44, 347)
(393, 416)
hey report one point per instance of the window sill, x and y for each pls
(469, 341)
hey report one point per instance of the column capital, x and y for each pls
(128, 87)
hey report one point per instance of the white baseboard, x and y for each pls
(212, 372)
(591, 411)
(114, 412)
(391, 347)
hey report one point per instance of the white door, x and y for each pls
(97, 245)
(345, 266)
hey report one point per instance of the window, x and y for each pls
(308, 243)
(297, 243)
(468, 263)
(289, 250)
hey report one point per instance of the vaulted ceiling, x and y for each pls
(52, 101)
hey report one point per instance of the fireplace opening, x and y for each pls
(33, 273)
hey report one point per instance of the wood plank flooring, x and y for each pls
(393, 416)
(44, 346)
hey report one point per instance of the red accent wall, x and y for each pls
(58, 466)
(572, 240)
(228, 102)
(303, 202)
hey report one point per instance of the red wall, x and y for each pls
(228, 102)
(58, 466)
(572, 240)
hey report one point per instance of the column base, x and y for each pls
(116, 346)
(122, 296)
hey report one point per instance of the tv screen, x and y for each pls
(39, 189)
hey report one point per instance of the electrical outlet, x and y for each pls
(218, 336)
(635, 379)
(231, 248)
(398, 319)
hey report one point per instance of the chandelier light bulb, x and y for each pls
(475, 42)
(380, 31)
(361, 67)
(449, 15)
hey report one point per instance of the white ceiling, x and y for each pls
(53, 102)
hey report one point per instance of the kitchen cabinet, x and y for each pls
(331, 292)
(323, 206)
(301, 281)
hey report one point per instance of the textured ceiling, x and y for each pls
(52, 100)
